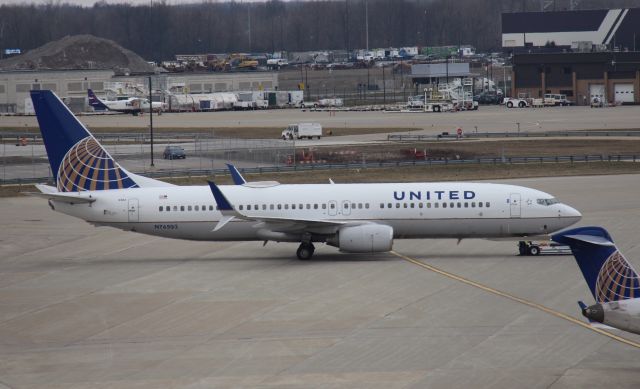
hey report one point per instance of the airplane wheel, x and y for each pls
(534, 250)
(305, 251)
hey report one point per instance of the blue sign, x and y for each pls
(12, 51)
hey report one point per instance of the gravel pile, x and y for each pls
(79, 52)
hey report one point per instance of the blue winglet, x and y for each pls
(223, 203)
(235, 174)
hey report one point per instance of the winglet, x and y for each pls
(235, 174)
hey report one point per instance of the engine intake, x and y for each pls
(367, 238)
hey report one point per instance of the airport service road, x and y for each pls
(85, 307)
(488, 118)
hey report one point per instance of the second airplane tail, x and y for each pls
(609, 275)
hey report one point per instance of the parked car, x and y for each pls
(174, 152)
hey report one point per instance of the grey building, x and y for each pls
(72, 85)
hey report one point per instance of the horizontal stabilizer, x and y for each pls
(64, 197)
(597, 240)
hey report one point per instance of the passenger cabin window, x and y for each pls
(487, 205)
(189, 207)
(197, 207)
(161, 208)
(182, 208)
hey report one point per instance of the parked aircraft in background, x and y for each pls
(356, 218)
(132, 105)
(614, 283)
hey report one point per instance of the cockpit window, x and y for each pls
(547, 202)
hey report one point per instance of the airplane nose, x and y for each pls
(570, 214)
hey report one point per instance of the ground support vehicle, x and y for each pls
(542, 247)
(302, 130)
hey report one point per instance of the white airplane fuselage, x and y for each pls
(413, 210)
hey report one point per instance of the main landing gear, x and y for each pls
(305, 250)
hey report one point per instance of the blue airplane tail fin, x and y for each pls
(609, 275)
(95, 102)
(78, 162)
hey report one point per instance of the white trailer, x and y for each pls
(295, 98)
(334, 102)
(302, 130)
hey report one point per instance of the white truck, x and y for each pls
(553, 100)
(302, 130)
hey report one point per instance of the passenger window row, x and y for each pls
(263, 207)
(182, 208)
(452, 204)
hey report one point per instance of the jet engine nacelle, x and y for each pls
(367, 238)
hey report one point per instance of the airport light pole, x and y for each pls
(151, 120)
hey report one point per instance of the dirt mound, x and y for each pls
(79, 52)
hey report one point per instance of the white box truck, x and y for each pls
(302, 130)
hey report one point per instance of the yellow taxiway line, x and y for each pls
(517, 299)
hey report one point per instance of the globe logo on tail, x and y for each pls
(617, 280)
(87, 166)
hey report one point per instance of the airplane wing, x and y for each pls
(276, 224)
(51, 193)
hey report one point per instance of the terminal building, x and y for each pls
(582, 54)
